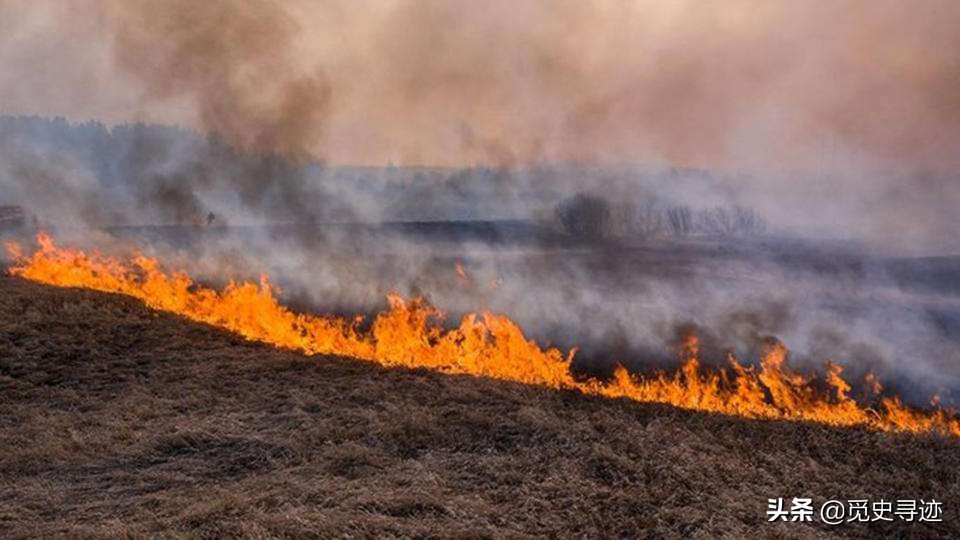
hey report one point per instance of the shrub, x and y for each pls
(584, 216)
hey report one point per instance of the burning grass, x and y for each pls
(117, 420)
(408, 335)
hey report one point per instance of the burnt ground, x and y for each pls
(117, 421)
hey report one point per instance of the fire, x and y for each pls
(409, 334)
(461, 272)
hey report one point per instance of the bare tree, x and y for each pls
(584, 216)
(623, 219)
(729, 221)
(650, 220)
(716, 221)
(680, 219)
(746, 221)
(628, 219)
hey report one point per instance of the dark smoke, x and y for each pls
(232, 59)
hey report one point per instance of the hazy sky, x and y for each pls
(732, 83)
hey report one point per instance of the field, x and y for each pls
(117, 421)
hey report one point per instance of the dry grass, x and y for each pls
(117, 421)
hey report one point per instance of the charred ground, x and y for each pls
(116, 420)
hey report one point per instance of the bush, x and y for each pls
(584, 216)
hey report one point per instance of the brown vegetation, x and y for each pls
(116, 420)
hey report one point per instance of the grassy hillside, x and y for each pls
(115, 420)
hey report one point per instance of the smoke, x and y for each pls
(846, 113)
(438, 82)
(232, 59)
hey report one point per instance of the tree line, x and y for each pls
(590, 216)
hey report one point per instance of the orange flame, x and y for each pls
(408, 334)
(461, 272)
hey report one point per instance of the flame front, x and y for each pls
(487, 345)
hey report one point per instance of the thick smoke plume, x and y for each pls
(233, 58)
(441, 82)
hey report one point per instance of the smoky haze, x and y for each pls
(441, 82)
(847, 111)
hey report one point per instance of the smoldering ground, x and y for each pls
(833, 120)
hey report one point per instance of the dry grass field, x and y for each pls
(117, 421)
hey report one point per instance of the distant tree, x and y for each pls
(649, 220)
(746, 221)
(716, 221)
(584, 216)
(729, 221)
(632, 220)
(680, 219)
(623, 217)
